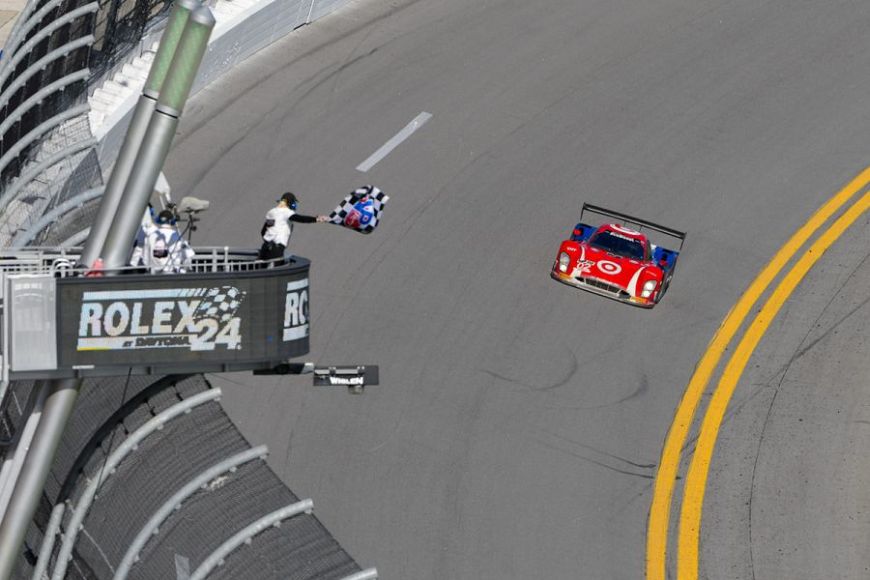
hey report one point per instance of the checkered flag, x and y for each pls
(361, 209)
(220, 303)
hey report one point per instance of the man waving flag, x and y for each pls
(361, 209)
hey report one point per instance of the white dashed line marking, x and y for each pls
(385, 149)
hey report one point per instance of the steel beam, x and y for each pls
(274, 519)
(54, 215)
(36, 98)
(43, 34)
(28, 487)
(17, 452)
(39, 66)
(26, 20)
(37, 169)
(19, 27)
(48, 540)
(41, 129)
(152, 527)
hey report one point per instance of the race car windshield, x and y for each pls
(618, 245)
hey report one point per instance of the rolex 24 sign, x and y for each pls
(194, 319)
(296, 310)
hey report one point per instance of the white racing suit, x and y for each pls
(166, 252)
(145, 228)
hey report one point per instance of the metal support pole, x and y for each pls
(136, 131)
(17, 453)
(28, 489)
(158, 137)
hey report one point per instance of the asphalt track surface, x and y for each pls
(519, 422)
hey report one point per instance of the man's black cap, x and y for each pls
(289, 198)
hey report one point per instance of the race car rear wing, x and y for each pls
(627, 219)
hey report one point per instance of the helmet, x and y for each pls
(290, 199)
(165, 217)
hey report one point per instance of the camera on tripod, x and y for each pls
(186, 212)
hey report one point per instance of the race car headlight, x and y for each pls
(564, 260)
(648, 288)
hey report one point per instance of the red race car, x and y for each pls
(616, 260)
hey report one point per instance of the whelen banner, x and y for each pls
(146, 324)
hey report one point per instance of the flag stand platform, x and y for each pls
(229, 311)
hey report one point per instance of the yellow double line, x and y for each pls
(696, 480)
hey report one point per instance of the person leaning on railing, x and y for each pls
(278, 226)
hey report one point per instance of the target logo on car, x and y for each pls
(608, 267)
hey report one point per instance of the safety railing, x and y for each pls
(63, 263)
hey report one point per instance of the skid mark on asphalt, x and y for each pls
(392, 434)
(832, 328)
(332, 74)
(510, 380)
(800, 352)
(265, 119)
(658, 522)
(575, 365)
(688, 546)
(269, 74)
(755, 469)
(783, 373)
(207, 169)
(689, 448)
(600, 452)
(594, 461)
(389, 243)
(642, 388)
